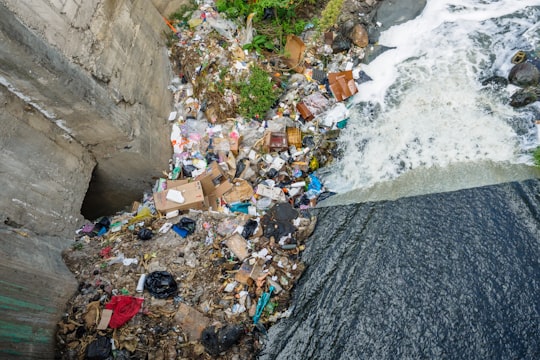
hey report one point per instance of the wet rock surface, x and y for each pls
(435, 276)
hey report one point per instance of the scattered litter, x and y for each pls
(225, 273)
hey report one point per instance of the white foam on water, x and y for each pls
(433, 110)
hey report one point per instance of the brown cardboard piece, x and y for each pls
(294, 52)
(243, 274)
(193, 198)
(215, 183)
(191, 321)
(238, 245)
(247, 273)
(234, 144)
(304, 111)
(241, 191)
(312, 105)
(106, 315)
(342, 84)
(174, 183)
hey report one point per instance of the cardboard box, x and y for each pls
(342, 84)
(193, 198)
(304, 111)
(174, 183)
(214, 182)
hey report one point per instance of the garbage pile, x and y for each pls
(168, 287)
(206, 261)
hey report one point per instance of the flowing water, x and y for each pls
(427, 111)
(453, 272)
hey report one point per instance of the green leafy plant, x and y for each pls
(258, 94)
(283, 21)
(536, 156)
(259, 43)
(233, 8)
(77, 246)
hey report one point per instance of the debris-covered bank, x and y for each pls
(206, 261)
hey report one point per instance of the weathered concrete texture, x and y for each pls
(43, 172)
(35, 285)
(83, 86)
(101, 70)
(168, 7)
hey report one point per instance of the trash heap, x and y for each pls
(206, 261)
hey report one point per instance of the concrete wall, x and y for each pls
(83, 96)
(168, 7)
(100, 69)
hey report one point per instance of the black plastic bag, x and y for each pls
(216, 341)
(211, 157)
(99, 349)
(188, 169)
(249, 228)
(161, 284)
(187, 224)
(145, 234)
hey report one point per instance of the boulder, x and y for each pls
(524, 74)
(523, 97)
(359, 36)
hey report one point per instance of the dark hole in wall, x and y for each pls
(105, 197)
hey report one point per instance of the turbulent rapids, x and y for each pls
(426, 109)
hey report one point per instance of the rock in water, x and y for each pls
(524, 74)
(523, 97)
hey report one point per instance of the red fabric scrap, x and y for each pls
(124, 308)
(105, 252)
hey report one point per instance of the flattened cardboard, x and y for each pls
(191, 321)
(294, 52)
(235, 145)
(106, 315)
(238, 245)
(241, 191)
(342, 84)
(193, 198)
(273, 193)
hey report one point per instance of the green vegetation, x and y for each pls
(184, 12)
(273, 19)
(257, 95)
(536, 156)
(259, 43)
(233, 8)
(330, 14)
(77, 246)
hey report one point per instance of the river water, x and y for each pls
(431, 249)
(427, 111)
